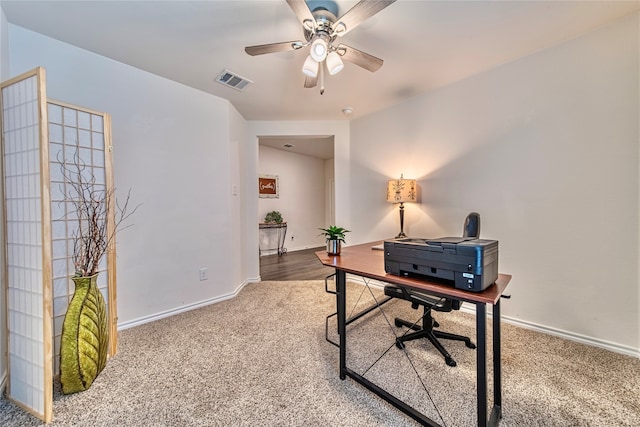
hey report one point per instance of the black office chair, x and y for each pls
(429, 302)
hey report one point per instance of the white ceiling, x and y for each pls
(425, 45)
(320, 147)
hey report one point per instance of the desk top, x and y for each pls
(362, 260)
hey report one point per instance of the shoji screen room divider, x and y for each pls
(38, 135)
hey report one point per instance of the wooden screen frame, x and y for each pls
(111, 251)
(46, 414)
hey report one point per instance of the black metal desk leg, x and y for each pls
(497, 361)
(341, 280)
(481, 362)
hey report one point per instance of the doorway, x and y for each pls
(304, 169)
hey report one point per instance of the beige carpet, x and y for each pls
(261, 359)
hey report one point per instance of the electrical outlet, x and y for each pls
(204, 274)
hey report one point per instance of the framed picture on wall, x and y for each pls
(268, 186)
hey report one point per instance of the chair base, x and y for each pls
(432, 335)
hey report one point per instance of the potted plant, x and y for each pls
(335, 236)
(96, 217)
(273, 217)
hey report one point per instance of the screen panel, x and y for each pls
(75, 135)
(28, 249)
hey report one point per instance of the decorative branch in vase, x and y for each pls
(92, 206)
(97, 217)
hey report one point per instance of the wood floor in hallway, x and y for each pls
(298, 265)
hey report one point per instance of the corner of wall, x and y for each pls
(4, 74)
(638, 112)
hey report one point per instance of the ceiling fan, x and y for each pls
(321, 30)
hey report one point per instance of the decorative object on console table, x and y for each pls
(268, 186)
(401, 191)
(335, 236)
(97, 216)
(273, 217)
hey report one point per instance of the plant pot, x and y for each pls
(333, 247)
(85, 337)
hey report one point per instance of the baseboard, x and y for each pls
(571, 336)
(583, 339)
(184, 308)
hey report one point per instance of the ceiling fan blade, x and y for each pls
(310, 82)
(355, 16)
(360, 58)
(261, 49)
(302, 11)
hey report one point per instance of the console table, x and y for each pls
(362, 260)
(281, 232)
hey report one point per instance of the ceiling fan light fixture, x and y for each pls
(319, 49)
(334, 63)
(310, 67)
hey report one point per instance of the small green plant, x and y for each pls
(273, 217)
(334, 233)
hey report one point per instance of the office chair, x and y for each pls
(471, 229)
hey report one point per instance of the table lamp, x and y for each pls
(401, 191)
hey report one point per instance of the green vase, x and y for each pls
(85, 337)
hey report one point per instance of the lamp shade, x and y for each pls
(319, 49)
(310, 67)
(401, 190)
(334, 63)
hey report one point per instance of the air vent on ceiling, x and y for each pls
(233, 80)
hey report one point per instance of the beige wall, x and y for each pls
(546, 150)
(173, 147)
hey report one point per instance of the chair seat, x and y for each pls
(429, 303)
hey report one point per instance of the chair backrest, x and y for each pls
(471, 225)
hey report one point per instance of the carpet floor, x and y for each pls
(262, 359)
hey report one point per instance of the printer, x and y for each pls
(467, 263)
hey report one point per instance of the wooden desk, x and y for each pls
(363, 261)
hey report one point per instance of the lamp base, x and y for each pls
(401, 235)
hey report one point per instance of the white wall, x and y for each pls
(173, 148)
(329, 189)
(238, 190)
(302, 197)
(546, 150)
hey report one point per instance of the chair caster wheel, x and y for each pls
(471, 345)
(450, 361)
(399, 344)
(398, 323)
